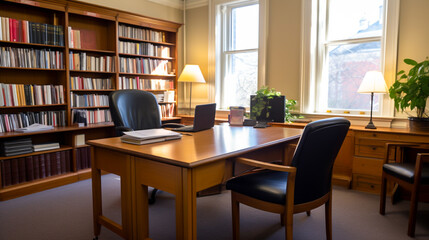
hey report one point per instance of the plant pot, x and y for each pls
(419, 124)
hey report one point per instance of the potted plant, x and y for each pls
(262, 105)
(412, 90)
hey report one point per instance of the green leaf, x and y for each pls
(410, 62)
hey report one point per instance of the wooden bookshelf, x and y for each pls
(61, 23)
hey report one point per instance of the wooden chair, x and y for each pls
(292, 189)
(413, 176)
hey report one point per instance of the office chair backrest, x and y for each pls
(314, 157)
(134, 109)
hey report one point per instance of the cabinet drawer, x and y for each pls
(366, 183)
(368, 166)
(394, 137)
(370, 151)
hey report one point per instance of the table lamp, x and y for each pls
(373, 82)
(191, 74)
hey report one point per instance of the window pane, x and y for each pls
(244, 27)
(241, 80)
(348, 64)
(355, 19)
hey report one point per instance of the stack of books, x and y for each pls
(16, 147)
(45, 146)
(149, 136)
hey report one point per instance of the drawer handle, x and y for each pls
(374, 135)
(374, 148)
(372, 186)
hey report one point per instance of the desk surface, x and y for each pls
(218, 143)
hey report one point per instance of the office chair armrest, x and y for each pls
(266, 165)
(123, 129)
(172, 125)
(394, 144)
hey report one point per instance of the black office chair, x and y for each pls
(298, 188)
(136, 110)
(410, 170)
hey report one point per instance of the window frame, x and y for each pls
(217, 56)
(314, 28)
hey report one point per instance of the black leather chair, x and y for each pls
(298, 188)
(136, 110)
(410, 170)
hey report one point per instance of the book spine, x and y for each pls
(6, 172)
(22, 170)
(36, 167)
(68, 161)
(15, 171)
(29, 168)
(47, 159)
(63, 161)
(42, 167)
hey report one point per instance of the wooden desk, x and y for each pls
(181, 167)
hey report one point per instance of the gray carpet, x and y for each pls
(66, 213)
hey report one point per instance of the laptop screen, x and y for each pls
(204, 116)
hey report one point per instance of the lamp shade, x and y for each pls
(373, 82)
(191, 73)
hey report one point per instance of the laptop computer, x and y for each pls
(204, 118)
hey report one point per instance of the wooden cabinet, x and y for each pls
(370, 151)
(65, 57)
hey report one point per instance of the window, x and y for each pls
(347, 39)
(237, 51)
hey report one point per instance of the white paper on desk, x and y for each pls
(152, 133)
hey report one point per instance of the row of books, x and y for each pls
(82, 38)
(141, 33)
(27, 94)
(145, 66)
(16, 147)
(148, 49)
(84, 62)
(167, 96)
(167, 110)
(15, 30)
(83, 158)
(24, 169)
(31, 58)
(11, 122)
(88, 100)
(85, 83)
(93, 115)
(145, 84)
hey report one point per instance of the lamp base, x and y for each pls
(370, 126)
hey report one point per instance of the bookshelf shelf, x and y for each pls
(33, 69)
(92, 90)
(140, 40)
(84, 32)
(147, 75)
(34, 45)
(144, 56)
(62, 148)
(104, 52)
(34, 106)
(94, 107)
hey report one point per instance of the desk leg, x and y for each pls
(186, 208)
(96, 195)
(142, 208)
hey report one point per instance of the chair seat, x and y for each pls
(405, 171)
(269, 186)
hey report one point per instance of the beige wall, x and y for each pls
(142, 7)
(413, 31)
(284, 40)
(196, 27)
